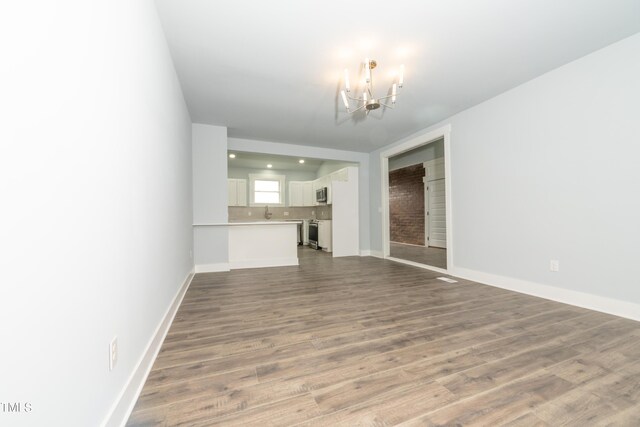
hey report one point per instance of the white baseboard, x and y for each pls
(377, 254)
(409, 244)
(212, 268)
(417, 264)
(121, 410)
(258, 263)
(580, 299)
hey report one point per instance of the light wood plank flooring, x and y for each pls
(363, 341)
(435, 257)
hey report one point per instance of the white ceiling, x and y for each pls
(271, 70)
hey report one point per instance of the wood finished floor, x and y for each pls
(435, 257)
(363, 341)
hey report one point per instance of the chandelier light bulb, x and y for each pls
(346, 80)
(401, 78)
(364, 96)
(367, 70)
(394, 91)
(345, 100)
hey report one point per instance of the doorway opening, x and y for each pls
(416, 197)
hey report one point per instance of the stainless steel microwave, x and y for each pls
(321, 195)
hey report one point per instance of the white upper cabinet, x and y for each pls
(303, 193)
(296, 197)
(237, 192)
(308, 196)
(242, 192)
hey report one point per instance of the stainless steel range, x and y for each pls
(313, 233)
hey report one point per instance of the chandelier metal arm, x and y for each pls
(354, 99)
(368, 100)
(357, 109)
(362, 99)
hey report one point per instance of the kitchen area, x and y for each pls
(318, 197)
(309, 221)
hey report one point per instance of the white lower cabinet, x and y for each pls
(324, 235)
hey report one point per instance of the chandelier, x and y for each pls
(368, 101)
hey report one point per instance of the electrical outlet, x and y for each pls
(554, 265)
(313, 212)
(249, 213)
(286, 214)
(113, 353)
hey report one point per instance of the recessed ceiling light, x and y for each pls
(269, 165)
(232, 156)
(301, 161)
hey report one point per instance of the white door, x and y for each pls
(436, 213)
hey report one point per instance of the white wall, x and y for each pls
(95, 176)
(422, 154)
(210, 199)
(362, 159)
(549, 170)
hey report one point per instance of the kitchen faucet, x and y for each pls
(267, 214)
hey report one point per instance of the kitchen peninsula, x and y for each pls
(260, 243)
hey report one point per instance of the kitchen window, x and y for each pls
(267, 190)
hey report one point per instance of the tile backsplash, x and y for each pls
(241, 213)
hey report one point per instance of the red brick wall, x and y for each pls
(406, 205)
